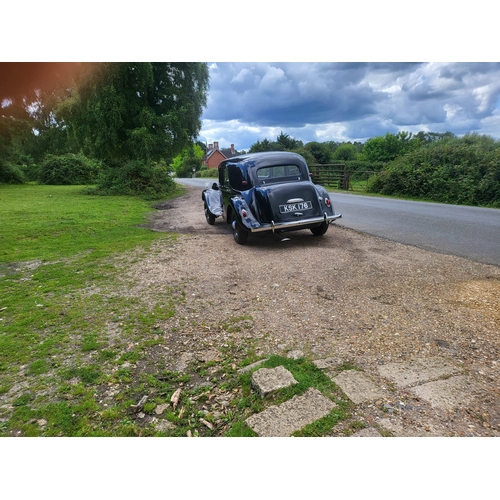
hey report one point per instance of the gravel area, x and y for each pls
(362, 299)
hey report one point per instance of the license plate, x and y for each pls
(295, 207)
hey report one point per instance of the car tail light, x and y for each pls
(244, 213)
(328, 202)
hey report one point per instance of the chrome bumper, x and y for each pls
(287, 225)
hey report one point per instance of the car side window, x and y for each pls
(237, 178)
(223, 176)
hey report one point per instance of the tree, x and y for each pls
(288, 143)
(428, 137)
(15, 132)
(134, 117)
(190, 158)
(140, 111)
(346, 152)
(264, 145)
(322, 154)
(385, 149)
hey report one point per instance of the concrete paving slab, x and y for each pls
(327, 363)
(295, 354)
(407, 374)
(449, 393)
(399, 428)
(267, 380)
(358, 387)
(248, 368)
(292, 415)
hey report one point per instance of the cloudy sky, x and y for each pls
(348, 101)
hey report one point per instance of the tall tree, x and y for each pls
(288, 143)
(138, 111)
(320, 151)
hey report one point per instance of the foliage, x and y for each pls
(307, 155)
(68, 169)
(345, 152)
(124, 115)
(265, 145)
(148, 179)
(283, 143)
(14, 133)
(138, 111)
(459, 171)
(320, 152)
(190, 158)
(10, 173)
(388, 148)
(288, 143)
(211, 173)
(428, 137)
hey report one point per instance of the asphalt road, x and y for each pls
(470, 232)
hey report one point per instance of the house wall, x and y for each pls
(215, 158)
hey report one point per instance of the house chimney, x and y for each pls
(210, 147)
(216, 145)
(233, 152)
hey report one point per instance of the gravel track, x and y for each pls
(363, 299)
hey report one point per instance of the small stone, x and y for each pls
(161, 408)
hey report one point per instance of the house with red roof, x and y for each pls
(215, 155)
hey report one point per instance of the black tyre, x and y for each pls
(240, 234)
(320, 230)
(209, 215)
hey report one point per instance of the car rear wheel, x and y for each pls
(240, 234)
(209, 215)
(320, 230)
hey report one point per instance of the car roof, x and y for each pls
(265, 159)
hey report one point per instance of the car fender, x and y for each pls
(243, 214)
(213, 199)
(322, 195)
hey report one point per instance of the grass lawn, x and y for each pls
(59, 257)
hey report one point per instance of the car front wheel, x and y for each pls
(209, 215)
(320, 230)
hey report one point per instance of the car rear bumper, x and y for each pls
(304, 223)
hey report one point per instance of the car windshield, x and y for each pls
(279, 173)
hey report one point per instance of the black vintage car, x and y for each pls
(270, 191)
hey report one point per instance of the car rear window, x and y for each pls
(279, 173)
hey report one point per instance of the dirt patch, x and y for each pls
(349, 295)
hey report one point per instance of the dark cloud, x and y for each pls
(293, 94)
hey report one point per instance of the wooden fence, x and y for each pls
(336, 176)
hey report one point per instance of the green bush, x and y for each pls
(143, 178)
(212, 173)
(68, 169)
(10, 173)
(462, 171)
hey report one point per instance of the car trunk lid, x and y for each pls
(287, 202)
